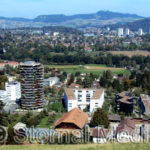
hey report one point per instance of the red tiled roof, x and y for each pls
(97, 94)
(75, 116)
(11, 63)
(126, 125)
(70, 94)
(125, 100)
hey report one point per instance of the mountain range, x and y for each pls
(98, 19)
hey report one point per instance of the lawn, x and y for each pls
(91, 68)
(44, 124)
(129, 146)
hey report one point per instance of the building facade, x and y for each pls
(13, 90)
(3, 96)
(145, 104)
(120, 32)
(72, 122)
(32, 75)
(127, 32)
(11, 93)
(124, 102)
(84, 98)
(50, 81)
(140, 32)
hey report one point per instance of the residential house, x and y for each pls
(142, 129)
(126, 130)
(83, 98)
(99, 135)
(114, 122)
(11, 78)
(50, 81)
(124, 102)
(13, 64)
(88, 49)
(12, 92)
(145, 104)
(72, 121)
(3, 96)
(95, 85)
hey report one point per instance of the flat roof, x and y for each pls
(29, 63)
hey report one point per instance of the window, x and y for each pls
(80, 91)
(94, 92)
(70, 104)
(88, 100)
(96, 105)
(79, 100)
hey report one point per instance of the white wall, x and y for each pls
(73, 104)
(99, 140)
(97, 103)
(13, 91)
(81, 102)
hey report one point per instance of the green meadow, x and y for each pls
(128, 146)
(92, 68)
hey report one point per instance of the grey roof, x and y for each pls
(114, 118)
(29, 62)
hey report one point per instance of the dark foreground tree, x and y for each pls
(100, 118)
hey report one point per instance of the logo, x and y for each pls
(3, 134)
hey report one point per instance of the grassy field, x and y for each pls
(141, 146)
(91, 68)
(44, 122)
(130, 53)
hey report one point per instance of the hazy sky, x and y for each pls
(33, 8)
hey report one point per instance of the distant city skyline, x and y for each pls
(33, 8)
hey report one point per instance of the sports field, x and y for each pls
(92, 68)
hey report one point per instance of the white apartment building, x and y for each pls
(83, 98)
(127, 32)
(55, 33)
(50, 81)
(140, 32)
(13, 90)
(120, 32)
(3, 96)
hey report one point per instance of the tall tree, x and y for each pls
(100, 118)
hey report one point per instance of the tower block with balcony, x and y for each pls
(32, 91)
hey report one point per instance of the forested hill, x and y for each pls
(101, 15)
(98, 19)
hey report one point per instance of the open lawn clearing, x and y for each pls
(90, 68)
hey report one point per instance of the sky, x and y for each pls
(33, 8)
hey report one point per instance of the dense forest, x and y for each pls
(46, 57)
